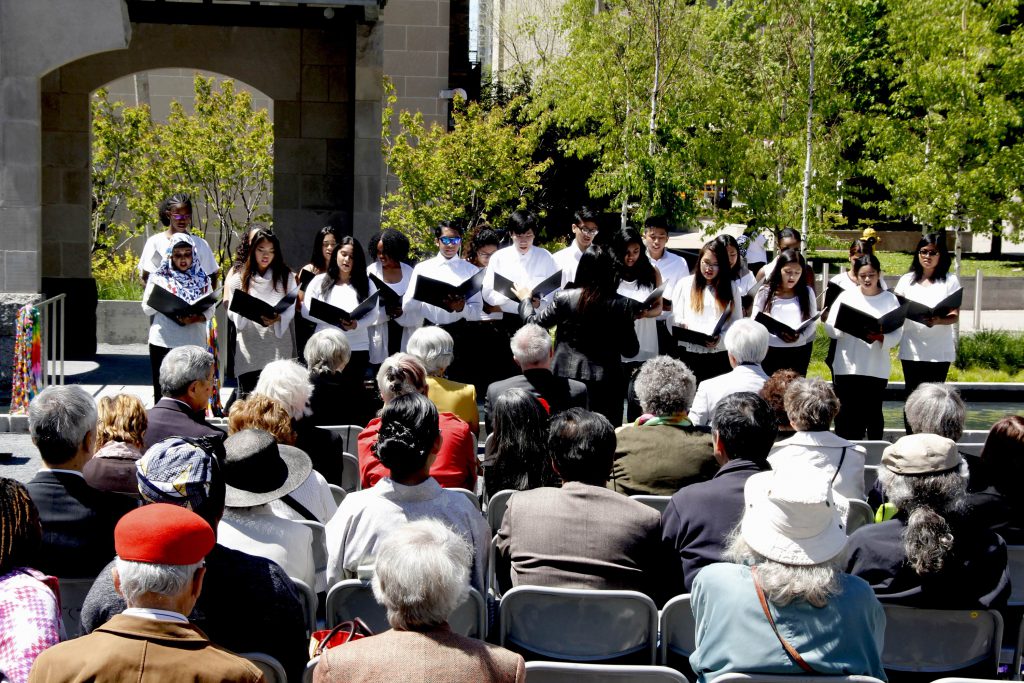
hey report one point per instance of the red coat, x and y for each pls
(456, 463)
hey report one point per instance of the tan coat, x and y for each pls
(130, 648)
(438, 656)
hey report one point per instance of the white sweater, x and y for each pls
(855, 356)
(920, 342)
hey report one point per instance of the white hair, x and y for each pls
(531, 346)
(434, 347)
(747, 341)
(936, 409)
(421, 574)
(138, 578)
(327, 351)
(786, 583)
(288, 382)
(182, 366)
(58, 420)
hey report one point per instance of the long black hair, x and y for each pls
(519, 441)
(786, 257)
(863, 246)
(317, 257)
(408, 429)
(595, 275)
(642, 272)
(937, 240)
(359, 280)
(396, 245)
(723, 283)
(741, 263)
(279, 271)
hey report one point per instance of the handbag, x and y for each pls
(325, 639)
(790, 650)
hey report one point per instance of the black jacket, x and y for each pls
(170, 417)
(559, 392)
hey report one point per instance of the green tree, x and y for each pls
(480, 170)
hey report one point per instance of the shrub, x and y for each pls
(116, 276)
(996, 350)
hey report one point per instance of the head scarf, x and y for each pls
(190, 285)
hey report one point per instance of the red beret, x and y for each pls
(163, 534)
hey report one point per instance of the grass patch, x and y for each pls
(897, 263)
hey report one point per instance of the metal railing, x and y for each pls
(51, 326)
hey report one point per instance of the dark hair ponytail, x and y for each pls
(408, 430)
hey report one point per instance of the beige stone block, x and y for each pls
(75, 187)
(410, 63)
(68, 149)
(367, 158)
(395, 37)
(442, 65)
(312, 192)
(21, 271)
(19, 227)
(427, 105)
(366, 223)
(66, 223)
(50, 81)
(339, 157)
(444, 10)
(369, 83)
(50, 110)
(299, 155)
(19, 98)
(51, 261)
(325, 120)
(20, 184)
(169, 83)
(412, 13)
(75, 260)
(428, 38)
(424, 87)
(314, 83)
(21, 142)
(366, 193)
(367, 119)
(52, 184)
(74, 112)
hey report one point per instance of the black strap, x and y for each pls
(299, 507)
(842, 457)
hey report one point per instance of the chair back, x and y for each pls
(307, 598)
(272, 670)
(792, 678)
(579, 625)
(659, 503)
(1015, 563)
(870, 476)
(938, 640)
(496, 508)
(337, 492)
(873, 451)
(346, 434)
(72, 597)
(350, 480)
(570, 672)
(678, 630)
(970, 448)
(473, 498)
(859, 514)
(319, 551)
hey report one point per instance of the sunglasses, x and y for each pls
(450, 241)
(181, 216)
(927, 253)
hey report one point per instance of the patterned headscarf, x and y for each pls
(190, 285)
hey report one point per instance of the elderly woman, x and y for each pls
(420, 577)
(932, 553)
(662, 451)
(456, 463)
(120, 435)
(435, 348)
(30, 618)
(327, 353)
(408, 441)
(785, 567)
(812, 405)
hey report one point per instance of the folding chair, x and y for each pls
(1015, 563)
(350, 480)
(859, 514)
(72, 597)
(337, 492)
(567, 624)
(271, 668)
(792, 678)
(347, 433)
(932, 641)
(496, 508)
(319, 552)
(568, 672)
(307, 597)
(473, 498)
(870, 476)
(678, 635)
(873, 451)
(659, 503)
(970, 448)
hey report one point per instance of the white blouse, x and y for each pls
(379, 333)
(683, 314)
(920, 342)
(527, 270)
(646, 328)
(855, 356)
(787, 311)
(345, 297)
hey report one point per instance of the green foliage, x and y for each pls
(222, 155)
(1003, 351)
(480, 170)
(116, 276)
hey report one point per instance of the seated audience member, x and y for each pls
(186, 380)
(699, 518)
(784, 566)
(420, 577)
(662, 451)
(78, 521)
(408, 440)
(456, 463)
(774, 393)
(248, 603)
(812, 405)
(747, 344)
(996, 500)
(327, 353)
(933, 553)
(544, 536)
(532, 352)
(434, 347)
(516, 456)
(120, 433)
(257, 471)
(30, 619)
(159, 571)
(288, 383)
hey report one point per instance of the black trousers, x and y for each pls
(917, 372)
(705, 365)
(860, 406)
(795, 358)
(156, 357)
(353, 379)
(605, 397)
(633, 409)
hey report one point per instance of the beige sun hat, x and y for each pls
(793, 516)
(921, 454)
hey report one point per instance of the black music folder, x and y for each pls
(684, 334)
(918, 312)
(503, 285)
(437, 293)
(861, 324)
(321, 310)
(173, 306)
(305, 277)
(832, 293)
(248, 306)
(780, 328)
(388, 297)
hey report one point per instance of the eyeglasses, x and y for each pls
(589, 232)
(450, 241)
(181, 216)
(709, 266)
(927, 253)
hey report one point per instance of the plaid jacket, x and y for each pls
(30, 621)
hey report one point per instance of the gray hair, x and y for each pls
(327, 351)
(58, 420)
(664, 386)
(747, 341)
(927, 500)
(811, 404)
(138, 578)
(782, 583)
(182, 366)
(421, 574)
(936, 409)
(288, 382)
(400, 374)
(434, 347)
(531, 346)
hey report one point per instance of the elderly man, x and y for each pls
(159, 571)
(662, 451)
(249, 604)
(582, 535)
(78, 521)
(747, 344)
(420, 576)
(186, 380)
(532, 352)
(699, 518)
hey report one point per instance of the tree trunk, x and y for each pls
(804, 222)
